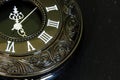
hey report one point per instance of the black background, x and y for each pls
(98, 54)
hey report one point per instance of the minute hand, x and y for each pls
(28, 15)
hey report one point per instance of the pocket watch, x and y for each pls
(37, 37)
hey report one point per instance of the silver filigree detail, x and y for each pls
(61, 50)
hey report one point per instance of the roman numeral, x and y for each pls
(30, 47)
(51, 8)
(45, 37)
(10, 47)
(53, 23)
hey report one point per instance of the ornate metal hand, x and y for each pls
(20, 30)
(16, 15)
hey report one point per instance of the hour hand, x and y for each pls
(20, 30)
(17, 26)
(16, 16)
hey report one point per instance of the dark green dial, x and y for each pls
(33, 25)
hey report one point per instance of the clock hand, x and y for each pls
(28, 15)
(18, 25)
(21, 32)
(16, 16)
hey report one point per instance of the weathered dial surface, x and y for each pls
(37, 36)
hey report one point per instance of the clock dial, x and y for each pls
(28, 29)
(37, 36)
(17, 16)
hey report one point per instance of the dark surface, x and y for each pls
(98, 55)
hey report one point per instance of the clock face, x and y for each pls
(37, 36)
(28, 26)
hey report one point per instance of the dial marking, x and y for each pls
(53, 23)
(10, 47)
(45, 37)
(51, 8)
(30, 47)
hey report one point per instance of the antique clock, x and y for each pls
(37, 37)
